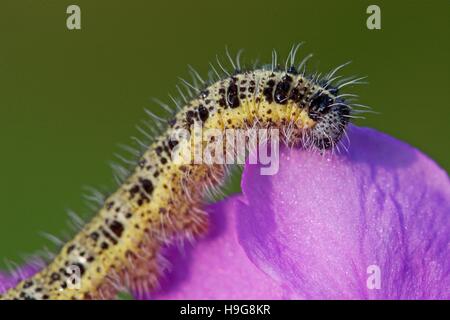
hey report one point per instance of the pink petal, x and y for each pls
(9, 280)
(217, 266)
(321, 222)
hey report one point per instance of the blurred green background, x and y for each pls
(68, 98)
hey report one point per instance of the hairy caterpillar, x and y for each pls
(161, 200)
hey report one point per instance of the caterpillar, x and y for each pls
(161, 200)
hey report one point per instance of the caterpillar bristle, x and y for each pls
(52, 238)
(196, 75)
(164, 106)
(75, 220)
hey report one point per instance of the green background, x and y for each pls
(68, 98)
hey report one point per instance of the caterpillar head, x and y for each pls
(331, 116)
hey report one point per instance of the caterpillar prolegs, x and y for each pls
(162, 199)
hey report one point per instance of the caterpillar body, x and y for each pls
(162, 200)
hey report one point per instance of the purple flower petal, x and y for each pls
(370, 224)
(384, 204)
(217, 266)
(9, 280)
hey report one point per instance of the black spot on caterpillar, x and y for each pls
(161, 200)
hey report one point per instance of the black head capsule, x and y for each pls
(319, 104)
(331, 116)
